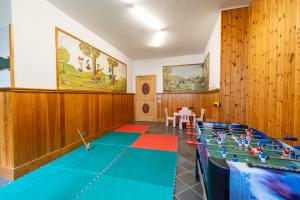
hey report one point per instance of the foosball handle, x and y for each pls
(190, 134)
(290, 138)
(190, 142)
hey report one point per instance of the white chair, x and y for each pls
(168, 118)
(202, 114)
(184, 117)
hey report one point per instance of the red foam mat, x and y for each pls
(133, 128)
(157, 142)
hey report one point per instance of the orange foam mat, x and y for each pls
(133, 128)
(157, 142)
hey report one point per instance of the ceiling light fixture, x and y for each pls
(158, 38)
(146, 18)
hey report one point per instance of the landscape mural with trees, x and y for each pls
(185, 78)
(82, 66)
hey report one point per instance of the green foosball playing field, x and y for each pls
(243, 153)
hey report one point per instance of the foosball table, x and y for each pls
(239, 162)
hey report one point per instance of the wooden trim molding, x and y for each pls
(38, 90)
(204, 92)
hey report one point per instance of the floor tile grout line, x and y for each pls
(183, 181)
(185, 173)
(186, 183)
(189, 187)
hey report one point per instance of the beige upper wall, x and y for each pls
(34, 24)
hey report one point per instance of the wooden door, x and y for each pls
(145, 106)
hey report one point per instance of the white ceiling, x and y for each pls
(188, 23)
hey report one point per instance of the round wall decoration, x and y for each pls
(145, 88)
(145, 108)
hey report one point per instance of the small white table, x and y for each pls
(176, 114)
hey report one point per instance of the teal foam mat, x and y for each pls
(47, 183)
(114, 188)
(92, 161)
(118, 138)
(148, 166)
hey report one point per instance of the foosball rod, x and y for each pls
(277, 158)
(231, 146)
(244, 130)
(286, 138)
(226, 128)
(208, 128)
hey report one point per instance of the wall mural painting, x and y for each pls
(186, 78)
(206, 72)
(81, 66)
(4, 56)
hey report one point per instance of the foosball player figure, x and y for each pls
(260, 143)
(207, 139)
(263, 157)
(240, 142)
(285, 153)
(258, 149)
(215, 135)
(222, 136)
(242, 137)
(252, 152)
(235, 159)
(246, 143)
(292, 154)
(229, 128)
(248, 137)
(219, 140)
(223, 152)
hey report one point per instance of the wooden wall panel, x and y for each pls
(6, 133)
(273, 75)
(37, 126)
(234, 48)
(297, 77)
(198, 101)
(271, 81)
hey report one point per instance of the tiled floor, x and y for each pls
(186, 186)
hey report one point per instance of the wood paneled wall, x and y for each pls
(44, 122)
(6, 135)
(273, 70)
(198, 101)
(297, 77)
(271, 33)
(234, 52)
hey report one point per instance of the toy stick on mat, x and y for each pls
(87, 145)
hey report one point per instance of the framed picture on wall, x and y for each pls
(5, 56)
(81, 66)
(206, 72)
(189, 78)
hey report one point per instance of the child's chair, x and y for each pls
(184, 117)
(202, 115)
(168, 118)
